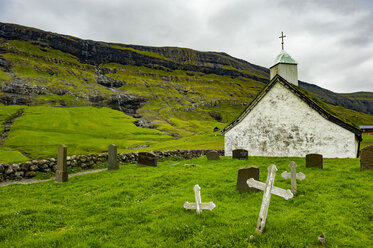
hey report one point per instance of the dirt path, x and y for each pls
(28, 181)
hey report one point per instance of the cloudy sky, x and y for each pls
(332, 40)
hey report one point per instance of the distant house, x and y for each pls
(282, 121)
(367, 129)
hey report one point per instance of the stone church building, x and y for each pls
(283, 122)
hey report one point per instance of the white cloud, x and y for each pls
(331, 40)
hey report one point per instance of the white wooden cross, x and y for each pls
(198, 205)
(294, 176)
(268, 189)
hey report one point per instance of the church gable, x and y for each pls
(282, 121)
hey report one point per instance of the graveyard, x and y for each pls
(114, 145)
(137, 206)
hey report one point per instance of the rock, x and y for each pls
(34, 168)
(16, 167)
(19, 174)
(9, 170)
(322, 239)
(30, 174)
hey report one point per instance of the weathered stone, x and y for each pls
(240, 154)
(366, 158)
(34, 167)
(112, 158)
(212, 155)
(30, 174)
(16, 167)
(25, 166)
(19, 173)
(244, 173)
(61, 173)
(9, 170)
(1, 168)
(147, 159)
(314, 160)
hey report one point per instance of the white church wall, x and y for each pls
(288, 71)
(283, 125)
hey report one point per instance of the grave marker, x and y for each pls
(112, 158)
(240, 154)
(366, 158)
(212, 155)
(198, 205)
(294, 176)
(268, 189)
(61, 172)
(147, 159)
(314, 160)
(244, 173)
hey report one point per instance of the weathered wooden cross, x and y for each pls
(294, 176)
(198, 205)
(268, 189)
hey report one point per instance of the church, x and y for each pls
(283, 122)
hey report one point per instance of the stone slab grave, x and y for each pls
(198, 205)
(212, 155)
(294, 176)
(147, 159)
(112, 158)
(268, 189)
(240, 154)
(314, 160)
(61, 172)
(366, 158)
(244, 173)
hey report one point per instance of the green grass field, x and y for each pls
(40, 130)
(143, 207)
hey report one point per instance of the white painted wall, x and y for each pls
(283, 125)
(287, 71)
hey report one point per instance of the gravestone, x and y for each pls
(112, 158)
(268, 189)
(198, 205)
(314, 160)
(293, 175)
(240, 154)
(61, 172)
(147, 159)
(366, 158)
(212, 155)
(244, 173)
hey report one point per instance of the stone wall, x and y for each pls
(30, 168)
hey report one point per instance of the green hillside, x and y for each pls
(168, 97)
(143, 207)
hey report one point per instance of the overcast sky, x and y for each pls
(332, 40)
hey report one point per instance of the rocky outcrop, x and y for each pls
(31, 168)
(96, 53)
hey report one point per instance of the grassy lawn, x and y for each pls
(143, 207)
(367, 140)
(40, 130)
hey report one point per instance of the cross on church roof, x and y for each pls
(282, 39)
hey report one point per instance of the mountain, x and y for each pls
(178, 91)
(358, 101)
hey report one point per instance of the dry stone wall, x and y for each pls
(31, 168)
